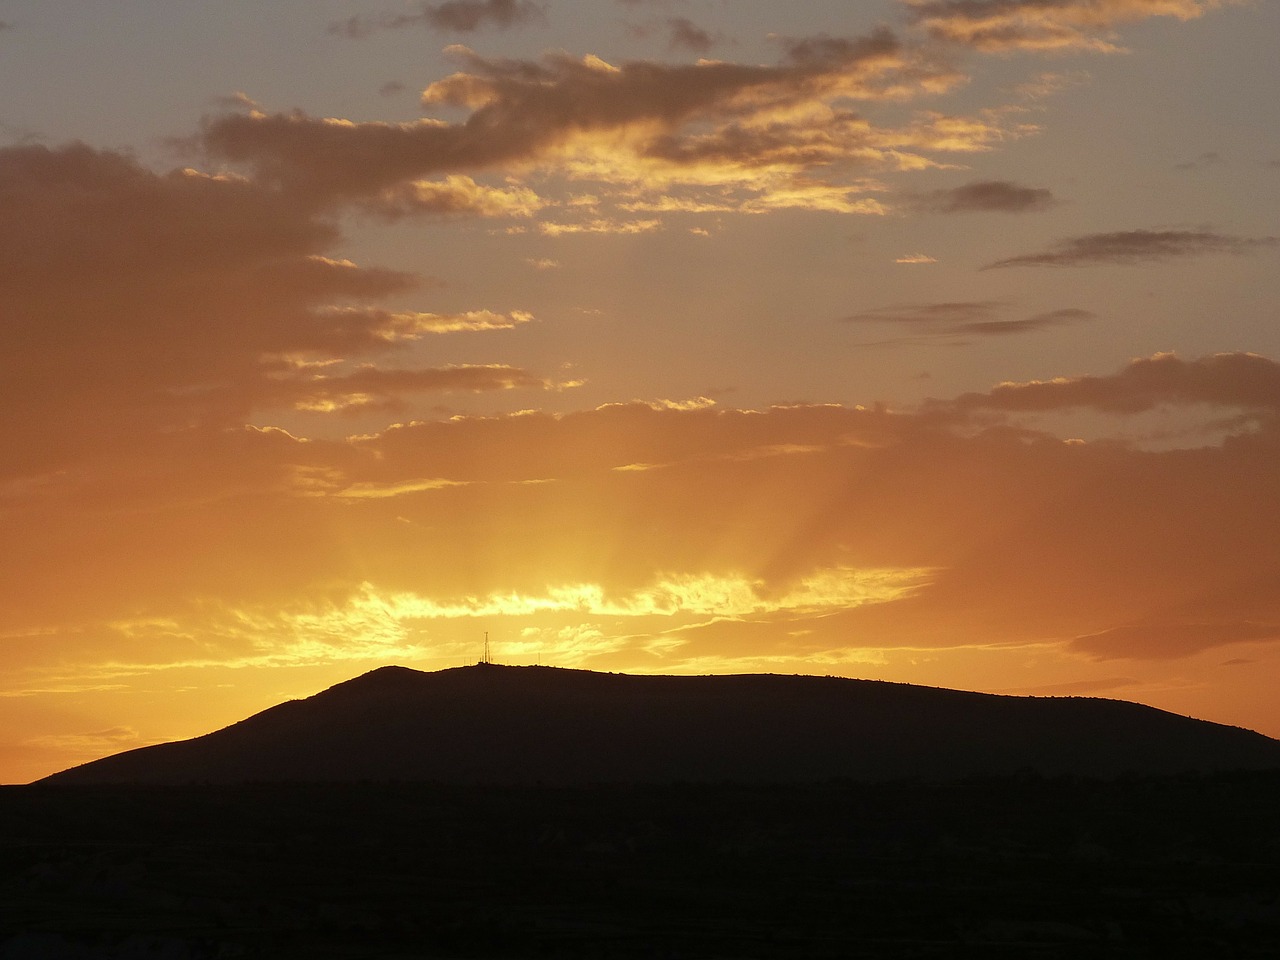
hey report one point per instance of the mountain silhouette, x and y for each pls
(491, 724)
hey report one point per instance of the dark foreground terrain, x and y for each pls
(1012, 867)
(491, 724)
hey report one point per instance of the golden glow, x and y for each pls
(668, 596)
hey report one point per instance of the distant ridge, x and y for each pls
(491, 724)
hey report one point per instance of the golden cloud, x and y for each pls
(760, 137)
(838, 528)
(1001, 25)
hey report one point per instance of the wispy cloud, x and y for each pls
(684, 34)
(1172, 638)
(1210, 158)
(1135, 246)
(948, 313)
(1050, 83)
(458, 16)
(553, 229)
(97, 741)
(1062, 25)
(456, 195)
(1001, 196)
(951, 320)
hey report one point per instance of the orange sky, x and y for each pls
(922, 341)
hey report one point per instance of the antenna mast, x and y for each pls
(486, 648)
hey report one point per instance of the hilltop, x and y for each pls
(491, 724)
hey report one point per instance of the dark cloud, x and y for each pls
(458, 16)
(467, 15)
(947, 313)
(684, 115)
(1000, 196)
(139, 302)
(964, 319)
(353, 28)
(1242, 380)
(1041, 321)
(684, 34)
(1209, 159)
(1135, 246)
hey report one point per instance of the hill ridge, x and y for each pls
(499, 723)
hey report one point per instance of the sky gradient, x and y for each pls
(931, 341)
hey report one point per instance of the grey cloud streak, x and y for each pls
(1133, 247)
(980, 318)
(687, 35)
(458, 16)
(1001, 196)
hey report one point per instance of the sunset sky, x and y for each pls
(932, 341)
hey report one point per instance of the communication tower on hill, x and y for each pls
(485, 659)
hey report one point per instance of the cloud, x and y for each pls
(1000, 196)
(1210, 158)
(552, 229)
(143, 303)
(1135, 246)
(370, 388)
(1040, 321)
(468, 15)
(996, 26)
(1048, 84)
(964, 530)
(739, 136)
(949, 320)
(458, 16)
(456, 195)
(1172, 639)
(916, 258)
(393, 326)
(947, 313)
(1240, 380)
(112, 740)
(686, 35)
